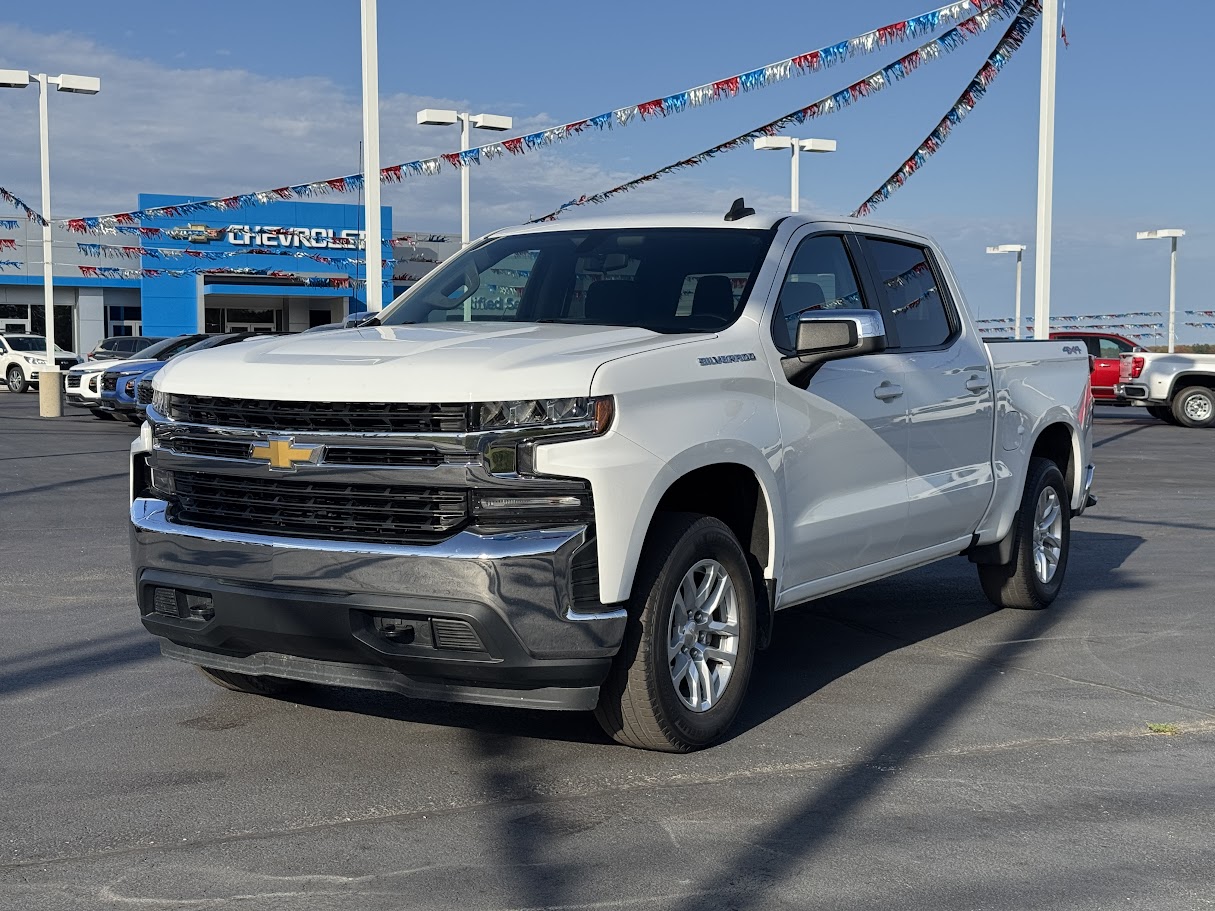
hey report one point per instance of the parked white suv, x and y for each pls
(22, 356)
(580, 466)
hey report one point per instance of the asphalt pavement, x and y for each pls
(904, 746)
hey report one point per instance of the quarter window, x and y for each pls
(914, 307)
(820, 277)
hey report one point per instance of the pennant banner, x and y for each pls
(9, 224)
(8, 243)
(312, 281)
(870, 85)
(698, 96)
(79, 226)
(1009, 45)
(178, 252)
(17, 203)
(10, 264)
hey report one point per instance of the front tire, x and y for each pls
(16, 380)
(682, 671)
(248, 683)
(1031, 581)
(1195, 407)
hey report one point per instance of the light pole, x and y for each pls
(796, 146)
(1019, 249)
(1172, 234)
(1049, 25)
(373, 249)
(433, 117)
(50, 404)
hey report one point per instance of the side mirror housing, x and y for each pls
(830, 335)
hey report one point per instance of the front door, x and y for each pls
(845, 435)
(949, 395)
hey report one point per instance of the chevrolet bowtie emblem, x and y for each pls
(282, 453)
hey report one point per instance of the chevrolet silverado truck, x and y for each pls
(1176, 388)
(582, 466)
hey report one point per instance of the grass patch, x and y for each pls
(1163, 729)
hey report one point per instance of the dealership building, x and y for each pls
(283, 266)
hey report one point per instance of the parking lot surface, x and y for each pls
(903, 745)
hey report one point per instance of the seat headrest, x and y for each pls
(714, 297)
(798, 296)
(611, 302)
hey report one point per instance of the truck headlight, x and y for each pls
(40, 361)
(160, 402)
(592, 413)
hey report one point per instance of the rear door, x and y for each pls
(949, 395)
(844, 434)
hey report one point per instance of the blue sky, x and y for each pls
(224, 97)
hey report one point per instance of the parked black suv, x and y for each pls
(121, 347)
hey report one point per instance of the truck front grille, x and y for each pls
(109, 382)
(144, 392)
(376, 513)
(73, 381)
(302, 417)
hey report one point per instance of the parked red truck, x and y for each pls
(1105, 349)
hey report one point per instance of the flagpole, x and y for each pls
(1046, 169)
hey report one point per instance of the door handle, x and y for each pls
(977, 384)
(887, 391)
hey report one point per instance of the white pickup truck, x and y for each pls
(581, 466)
(1176, 388)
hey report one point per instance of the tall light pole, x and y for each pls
(1046, 168)
(50, 404)
(796, 147)
(1019, 249)
(373, 249)
(1172, 234)
(438, 117)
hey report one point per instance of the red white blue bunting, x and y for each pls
(8, 243)
(11, 264)
(17, 203)
(1011, 42)
(9, 224)
(698, 96)
(863, 88)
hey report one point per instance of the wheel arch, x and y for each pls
(1185, 380)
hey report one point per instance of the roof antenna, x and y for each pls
(738, 210)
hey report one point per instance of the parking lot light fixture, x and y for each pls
(1019, 249)
(796, 147)
(50, 403)
(436, 117)
(1172, 234)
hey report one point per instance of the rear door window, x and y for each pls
(915, 311)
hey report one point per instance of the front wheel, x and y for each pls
(1031, 581)
(16, 380)
(682, 671)
(1195, 407)
(249, 683)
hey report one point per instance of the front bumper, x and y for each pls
(382, 616)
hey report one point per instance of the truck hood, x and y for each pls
(443, 362)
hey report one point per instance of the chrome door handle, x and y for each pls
(887, 391)
(977, 384)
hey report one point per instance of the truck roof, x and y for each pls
(760, 220)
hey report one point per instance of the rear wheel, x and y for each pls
(248, 683)
(1031, 581)
(682, 671)
(1162, 413)
(16, 380)
(1195, 407)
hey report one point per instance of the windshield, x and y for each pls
(168, 347)
(662, 279)
(29, 343)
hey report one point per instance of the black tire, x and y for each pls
(639, 704)
(1162, 413)
(248, 683)
(1195, 407)
(134, 419)
(103, 414)
(1018, 584)
(16, 380)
